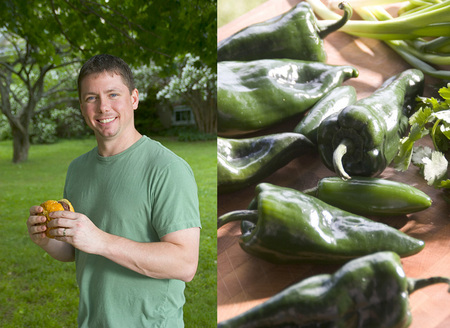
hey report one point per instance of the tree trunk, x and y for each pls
(20, 122)
(205, 112)
(21, 145)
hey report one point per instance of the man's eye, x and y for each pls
(114, 95)
(90, 99)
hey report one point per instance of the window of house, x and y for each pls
(182, 115)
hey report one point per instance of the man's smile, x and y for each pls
(106, 120)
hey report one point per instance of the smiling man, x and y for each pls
(108, 101)
(135, 231)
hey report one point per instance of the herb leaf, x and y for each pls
(432, 117)
(435, 168)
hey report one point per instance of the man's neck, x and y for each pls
(114, 146)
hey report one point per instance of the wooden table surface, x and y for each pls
(244, 281)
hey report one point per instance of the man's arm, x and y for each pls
(174, 257)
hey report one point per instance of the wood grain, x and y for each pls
(244, 281)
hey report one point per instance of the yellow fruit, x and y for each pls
(52, 206)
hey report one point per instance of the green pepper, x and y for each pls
(283, 225)
(294, 34)
(371, 291)
(333, 102)
(363, 138)
(370, 196)
(257, 94)
(242, 162)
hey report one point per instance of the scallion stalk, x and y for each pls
(408, 34)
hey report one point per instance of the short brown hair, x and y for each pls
(106, 63)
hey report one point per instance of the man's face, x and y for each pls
(107, 105)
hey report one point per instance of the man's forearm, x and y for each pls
(166, 259)
(60, 250)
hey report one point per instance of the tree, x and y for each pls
(196, 85)
(148, 30)
(136, 30)
(22, 87)
(52, 34)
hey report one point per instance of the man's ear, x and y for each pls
(135, 98)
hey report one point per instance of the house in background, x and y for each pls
(179, 115)
(182, 115)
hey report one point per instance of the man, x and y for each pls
(135, 231)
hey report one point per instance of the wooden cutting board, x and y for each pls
(244, 281)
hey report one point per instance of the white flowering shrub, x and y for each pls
(193, 76)
(195, 84)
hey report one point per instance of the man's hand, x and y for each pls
(76, 229)
(36, 226)
(36, 230)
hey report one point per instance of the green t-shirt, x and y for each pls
(141, 194)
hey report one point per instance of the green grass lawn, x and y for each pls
(37, 291)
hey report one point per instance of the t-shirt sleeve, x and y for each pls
(175, 199)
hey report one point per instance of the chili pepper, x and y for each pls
(241, 162)
(257, 94)
(371, 291)
(294, 34)
(363, 138)
(333, 102)
(370, 196)
(283, 225)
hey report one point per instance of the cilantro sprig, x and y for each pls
(432, 117)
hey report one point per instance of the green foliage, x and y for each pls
(69, 123)
(431, 118)
(5, 129)
(43, 131)
(140, 30)
(48, 127)
(38, 291)
(146, 118)
(432, 164)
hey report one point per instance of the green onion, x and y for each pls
(432, 21)
(420, 34)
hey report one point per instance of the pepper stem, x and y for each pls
(338, 154)
(249, 215)
(415, 284)
(348, 12)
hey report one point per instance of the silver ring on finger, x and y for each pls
(64, 232)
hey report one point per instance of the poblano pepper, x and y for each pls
(333, 102)
(283, 225)
(371, 291)
(257, 94)
(294, 34)
(241, 162)
(363, 138)
(370, 196)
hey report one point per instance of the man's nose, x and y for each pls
(104, 105)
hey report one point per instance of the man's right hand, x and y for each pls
(36, 226)
(59, 250)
